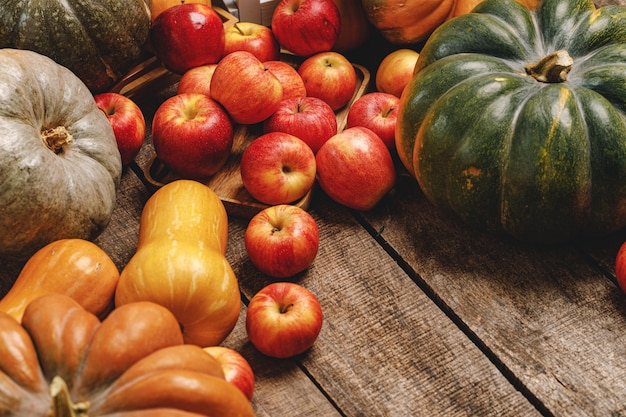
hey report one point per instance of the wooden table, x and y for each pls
(424, 317)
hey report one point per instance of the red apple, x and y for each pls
(237, 369)
(251, 37)
(186, 36)
(306, 27)
(309, 118)
(277, 168)
(192, 135)
(395, 71)
(329, 76)
(127, 121)
(282, 240)
(197, 80)
(378, 112)
(283, 319)
(249, 91)
(292, 83)
(355, 168)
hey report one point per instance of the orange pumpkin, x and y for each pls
(412, 21)
(77, 268)
(63, 361)
(180, 262)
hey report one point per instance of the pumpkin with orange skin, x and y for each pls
(64, 361)
(77, 268)
(404, 22)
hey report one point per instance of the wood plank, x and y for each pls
(385, 349)
(546, 314)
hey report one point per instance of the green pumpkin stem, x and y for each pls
(552, 68)
(56, 138)
(62, 405)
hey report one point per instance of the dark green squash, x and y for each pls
(98, 40)
(515, 120)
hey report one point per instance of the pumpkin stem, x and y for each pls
(56, 138)
(552, 68)
(62, 405)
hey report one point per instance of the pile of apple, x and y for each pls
(234, 76)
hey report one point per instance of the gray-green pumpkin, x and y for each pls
(59, 161)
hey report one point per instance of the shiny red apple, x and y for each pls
(249, 92)
(306, 27)
(127, 121)
(309, 118)
(284, 319)
(282, 240)
(237, 369)
(277, 168)
(329, 76)
(355, 168)
(192, 135)
(197, 80)
(186, 36)
(378, 112)
(292, 83)
(252, 37)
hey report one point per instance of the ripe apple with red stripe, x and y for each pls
(284, 319)
(306, 27)
(192, 135)
(187, 35)
(249, 92)
(282, 240)
(127, 121)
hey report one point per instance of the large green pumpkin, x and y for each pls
(99, 40)
(515, 119)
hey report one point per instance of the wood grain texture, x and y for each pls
(547, 315)
(385, 349)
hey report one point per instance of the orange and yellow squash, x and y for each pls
(180, 262)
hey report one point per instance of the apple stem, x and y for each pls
(388, 112)
(285, 308)
(239, 29)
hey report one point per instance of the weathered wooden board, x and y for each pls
(385, 349)
(546, 315)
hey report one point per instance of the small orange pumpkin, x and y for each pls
(63, 361)
(412, 21)
(77, 268)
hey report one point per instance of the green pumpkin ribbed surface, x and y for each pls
(542, 161)
(98, 40)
